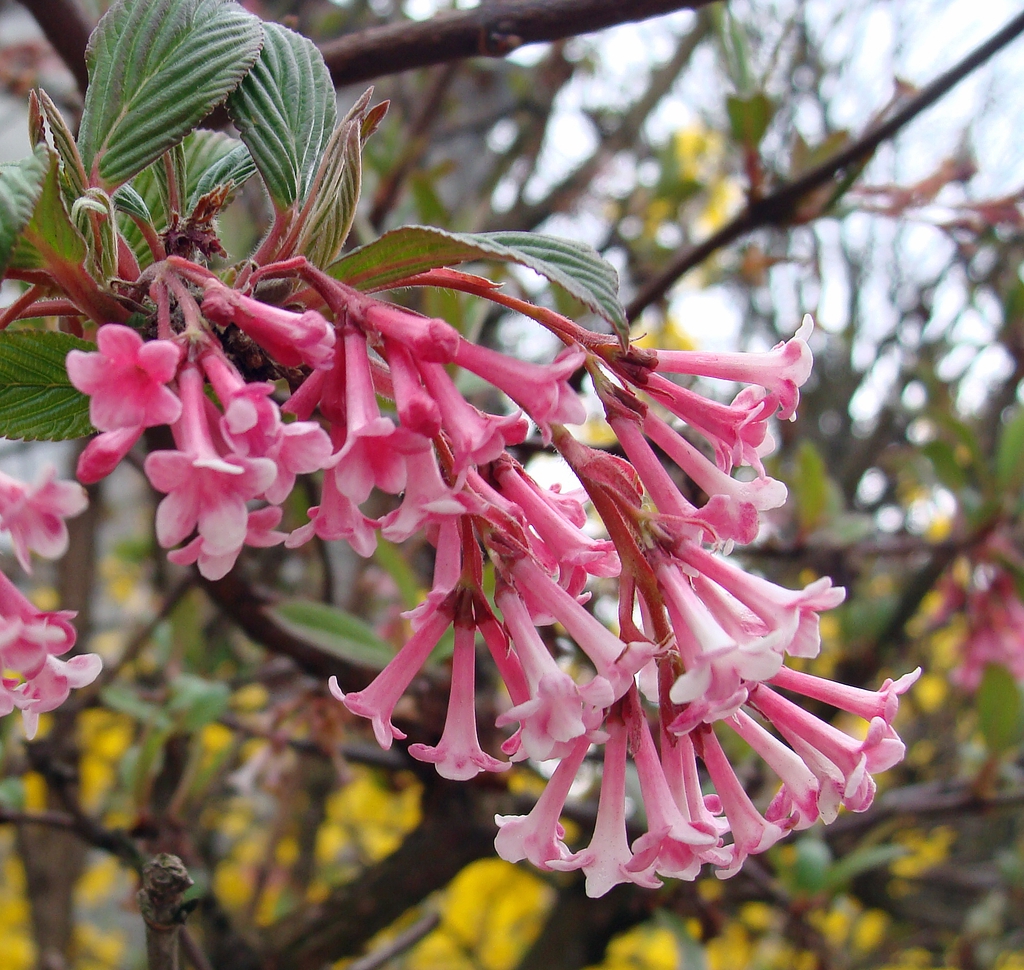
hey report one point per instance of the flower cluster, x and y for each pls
(702, 644)
(32, 678)
(985, 587)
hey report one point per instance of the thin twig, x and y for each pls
(398, 945)
(489, 30)
(778, 207)
(58, 820)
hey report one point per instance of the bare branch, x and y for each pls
(164, 881)
(452, 835)
(490, 30)
(778, 207)
(249, 609)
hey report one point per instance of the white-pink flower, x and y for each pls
(125, 379)
(205, 490)
(290, 338)
(34, 514)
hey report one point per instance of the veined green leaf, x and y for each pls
(286, 113)
(156, 69)
(129, 201)
(21, 184)
(332, 629)
(234, 168)
(335, 197)
(64, 142)
(37, 401)
(51, 237)
(573, 266)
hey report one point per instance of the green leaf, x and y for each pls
(37, 401)
(334, 198)
(573, 266)
(285, 111)
(12, 793)
(862, 860)
(749, 118)
(64, 142)
(1000, 709)
(125, 700)
(811, 487)
(234, 169)
(52, 237)
(196, 702)
(331, 207)
(156, 69)
(948, 469)
(130, 202)
(334, 630)
(1010, 454)
(21, 184)
(810, 868)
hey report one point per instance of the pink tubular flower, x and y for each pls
(205, 489)
(104, 453)
(738, 431)
(290, 338)
(781, 371)
(564, 542)
(605, 859)
(336, 517)
(751, 833)
(673, 846)
(616, 662)
(793, 613)
(476, 438)
(29, 635)
(125, 379)
(558, 709)
(371, 453)
(542, 391)
(538, 836)
(377, 702)
(260, 533)
(34, 514)
(426, 338)
(417, 410)
(427, 498)
(762, 493)
(33, 679)
(458, 754)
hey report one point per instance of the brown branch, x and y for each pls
(451, 836)
(58, 820)
(490, 30)
(778, 207)
(164, 882)
(930, 798)
(67, 27)
(250, 610)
